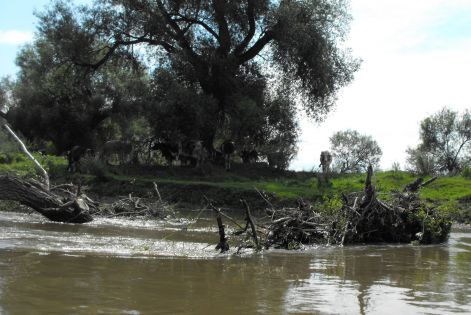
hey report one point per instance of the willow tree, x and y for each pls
(217, 47)
(444, 146)
(354, 152)
(52, 101)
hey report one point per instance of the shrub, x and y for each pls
(95, 167)
(466, 172)
(396, 167)
(5, 158)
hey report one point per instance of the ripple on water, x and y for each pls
(329, 280)
(109, 236)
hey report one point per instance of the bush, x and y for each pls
(55, 166)
(5, 158)
(436, 228)
(396, 167)
(466, 172)
(95, 167)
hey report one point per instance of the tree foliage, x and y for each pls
(211, 70)
(421, 162)
(219, 54)
(445, 139)
(280, 132)
(51, 101)
(5, 95)
(353, 152)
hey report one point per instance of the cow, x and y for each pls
(249, 156)
(170, 151)
(193, 152)
(227, 149)
(74, 156)
(326, 160)
(199, 153)
(119, 148)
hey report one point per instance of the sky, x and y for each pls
(416, 59)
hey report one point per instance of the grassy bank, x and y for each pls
(451, 195)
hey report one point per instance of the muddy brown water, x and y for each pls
(122, 266)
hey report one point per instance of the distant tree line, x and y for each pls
(444, 147)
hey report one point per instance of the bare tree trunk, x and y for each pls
(32, 194)
(39, 197)
(23, 148)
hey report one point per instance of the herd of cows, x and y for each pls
(189, 153)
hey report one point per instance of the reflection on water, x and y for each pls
(386, 280)
(149, 267)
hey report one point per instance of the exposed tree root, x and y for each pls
(363, 218)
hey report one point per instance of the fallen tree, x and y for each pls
(33, 194)
(56, 204)
(402, 217)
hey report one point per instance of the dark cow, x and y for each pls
(227, 149)
(249, 156)
(74, 156)
(217, 157)
(170, 151)
(120, 148)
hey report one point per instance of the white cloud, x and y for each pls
(15, 37)
(413, 64)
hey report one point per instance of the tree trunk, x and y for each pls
(34, 195)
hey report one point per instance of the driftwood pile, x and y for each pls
(152, 206)
(363, 218)
(290, 227)
(403, 218)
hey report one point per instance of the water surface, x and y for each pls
(122, 266)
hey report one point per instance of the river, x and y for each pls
(137, 266)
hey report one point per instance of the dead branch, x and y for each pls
(250, 221)
(431, 180)
(156, 189)
(23, 148)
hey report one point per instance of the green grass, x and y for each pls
(18, 164)
(290, 185)
(187, 184)
(448, 188)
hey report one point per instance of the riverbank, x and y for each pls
(186, 187)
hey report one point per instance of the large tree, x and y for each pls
(446, 136)
(353, 152)
(217, 50)
(52, 101)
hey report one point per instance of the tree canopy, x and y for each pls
(445, 139)
(52, 101)
(209, 69)
(353, 152)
